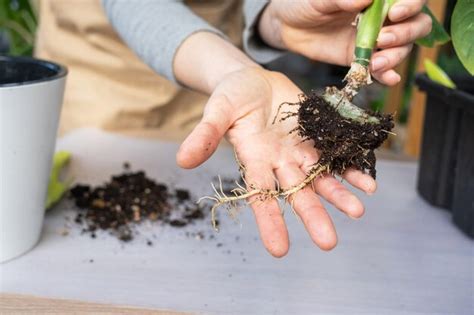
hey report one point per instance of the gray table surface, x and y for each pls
(402, 257)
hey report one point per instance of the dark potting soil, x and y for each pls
(342, 143)
(128, 200)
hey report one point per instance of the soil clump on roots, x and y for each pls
(342, 143)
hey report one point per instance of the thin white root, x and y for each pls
(240, 193)
(316, 171)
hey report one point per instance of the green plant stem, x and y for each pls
(368, 29)
(369, 25)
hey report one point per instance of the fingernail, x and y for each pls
(354, 218)
(378, 63)
(398, 12)
(386, 39)
(398, 78)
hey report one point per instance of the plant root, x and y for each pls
(241, 193)
(357, 77)
(315, 171)
(289, 114)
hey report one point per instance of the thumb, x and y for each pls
(353, 6)
(204, 139)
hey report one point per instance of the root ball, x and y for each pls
(342, 143)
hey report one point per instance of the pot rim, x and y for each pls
(60, 71)
(424, 83)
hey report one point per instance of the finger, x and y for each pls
(329, 187)
(334, 192)
(306, 156)
(331, 6)
(389, 58)
(389, 77)
(308, 207)
(360, 180)
(403, 9)
(401, 34)
(204, 139)
(270, 222)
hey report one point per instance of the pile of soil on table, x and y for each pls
(128, 200)
(342, 143)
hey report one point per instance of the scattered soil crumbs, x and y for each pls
(128, 200)
(342, 143)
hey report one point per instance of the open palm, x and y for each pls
(270, 153)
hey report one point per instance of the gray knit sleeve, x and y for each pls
(154, 30)
(253, 44)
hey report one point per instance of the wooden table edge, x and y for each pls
(28, 304)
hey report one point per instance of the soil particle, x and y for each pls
(178, 223)
(193, 214)
(199, 235)
(342, 143)
(182, 194)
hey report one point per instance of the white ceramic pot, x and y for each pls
(31, 94)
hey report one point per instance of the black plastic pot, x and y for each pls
(446, 172)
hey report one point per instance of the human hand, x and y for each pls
(242, 107)
(322, 30)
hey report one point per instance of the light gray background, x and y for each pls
(402, 257)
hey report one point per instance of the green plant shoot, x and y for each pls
(437, 74)
(57, 188)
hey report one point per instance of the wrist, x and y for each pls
(205, 58)
(269, 27)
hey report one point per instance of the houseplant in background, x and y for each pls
(446, 173)
(18, 26)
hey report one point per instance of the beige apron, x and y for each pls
(108, 85)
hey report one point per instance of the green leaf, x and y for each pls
(437, 74)
(462, 29)
(437, 36)
(18, 22)
(56, 188)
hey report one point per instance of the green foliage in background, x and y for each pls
(462, 30)
(456, 58)
(437, 36)
(56, 187)
(436, 74)
(18, 21)
(450, 63)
